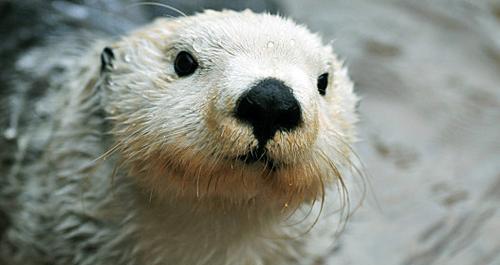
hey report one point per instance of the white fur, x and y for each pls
(80, 214)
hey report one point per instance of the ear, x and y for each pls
(107, 58)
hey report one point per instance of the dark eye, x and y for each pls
(322, 83)
(185, 64)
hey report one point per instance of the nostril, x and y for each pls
(289, 119)
(269, 106)
(249, 110)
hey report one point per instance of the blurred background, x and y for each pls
(429, 75)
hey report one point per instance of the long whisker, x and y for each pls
(358, 166)
(107, 153)
(343, 192)
(168, 7)
(318, 216)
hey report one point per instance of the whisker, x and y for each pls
(107, 153)
(359, 170)
(168, 7)
(343, 193)
(321, 207)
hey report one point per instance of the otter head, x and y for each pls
(229, 106)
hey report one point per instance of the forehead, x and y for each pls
(258, 36)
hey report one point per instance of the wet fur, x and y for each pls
(137, 169)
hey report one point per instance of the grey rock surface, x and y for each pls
(429, 76)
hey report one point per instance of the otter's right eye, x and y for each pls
(185, 64)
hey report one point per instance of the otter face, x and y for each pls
(231, 106)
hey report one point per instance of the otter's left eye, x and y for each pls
(322, 83)
(185, 64)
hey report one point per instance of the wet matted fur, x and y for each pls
(140, 166)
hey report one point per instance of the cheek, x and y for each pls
(335, 136)
(172, 115)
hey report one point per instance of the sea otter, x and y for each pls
(214, 139)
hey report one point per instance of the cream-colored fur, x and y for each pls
(160, 183)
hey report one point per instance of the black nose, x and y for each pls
(269, 106)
